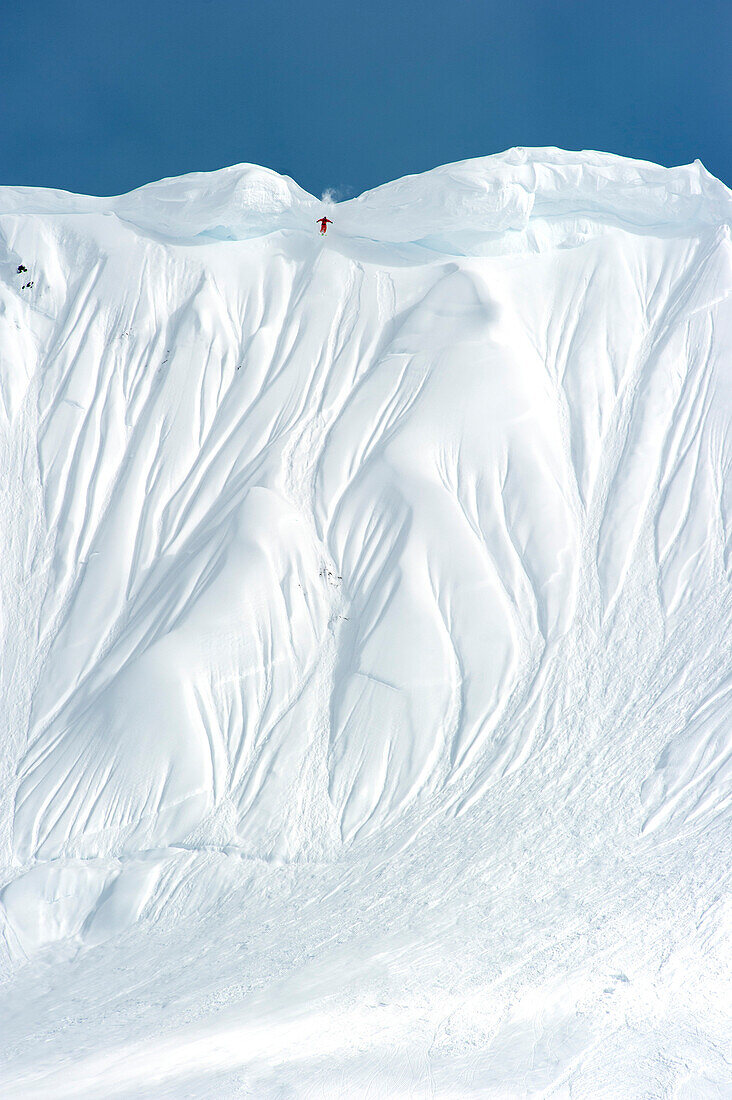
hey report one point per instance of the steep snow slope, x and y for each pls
(365, 626)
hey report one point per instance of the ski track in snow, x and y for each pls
(365, 615)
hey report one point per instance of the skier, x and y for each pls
(324, 223)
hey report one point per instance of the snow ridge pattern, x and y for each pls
(365, 615)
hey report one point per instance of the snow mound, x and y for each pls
(312, 543)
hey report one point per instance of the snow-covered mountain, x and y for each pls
(365, 681)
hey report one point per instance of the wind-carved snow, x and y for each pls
(413, 539)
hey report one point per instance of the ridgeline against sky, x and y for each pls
(103, 98)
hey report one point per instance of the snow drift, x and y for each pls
(315, 548)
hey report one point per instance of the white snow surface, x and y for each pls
(365, 606)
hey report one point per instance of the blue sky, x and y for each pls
(101, 97)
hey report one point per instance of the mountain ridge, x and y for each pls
(364, 585)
